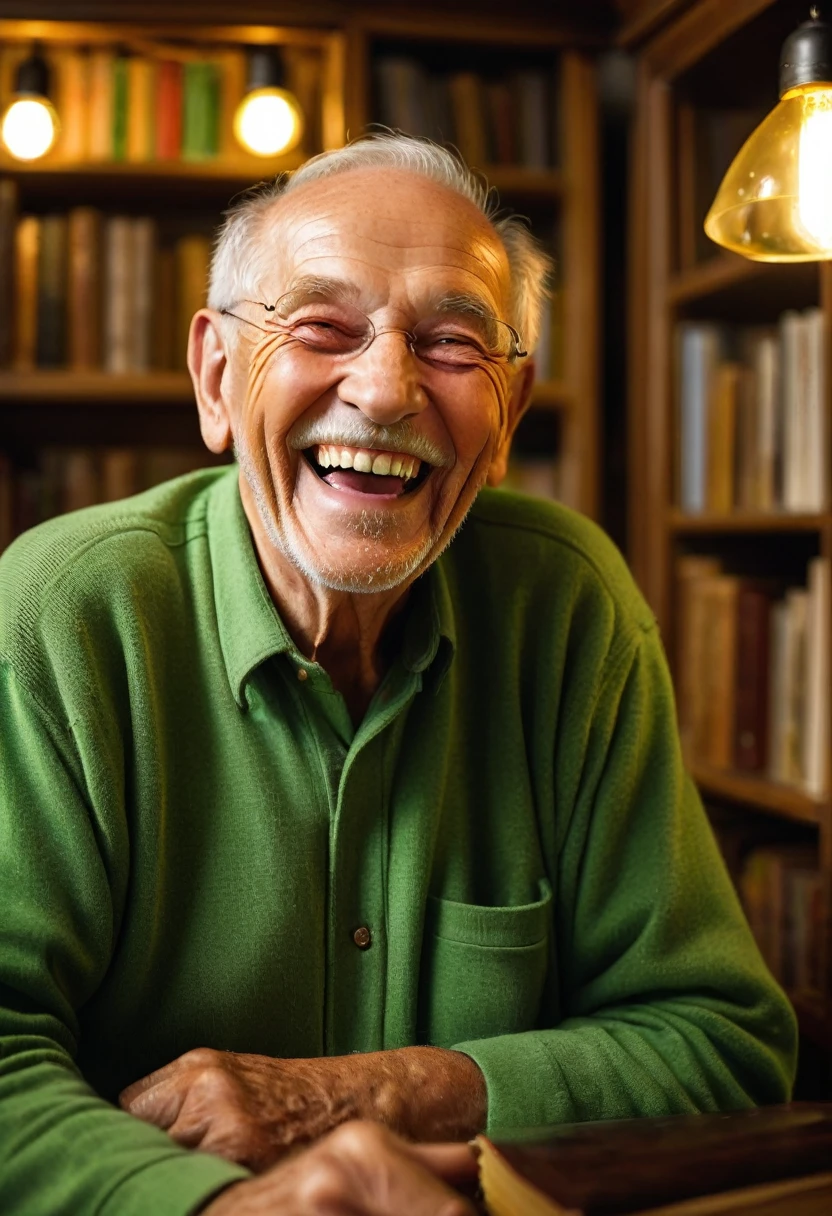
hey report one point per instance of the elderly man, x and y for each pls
(287, 773)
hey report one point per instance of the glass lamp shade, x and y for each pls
(775, 201)
(268, 121)
(29, 127)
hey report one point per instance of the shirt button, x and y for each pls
(362, 938)
(303, 675)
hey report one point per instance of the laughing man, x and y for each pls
(291, 770)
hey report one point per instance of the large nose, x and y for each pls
(383, 381)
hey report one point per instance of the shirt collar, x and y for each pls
(250, 627)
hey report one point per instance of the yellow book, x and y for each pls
(141, 85)
(101, 105)
(72, 93)
(192, 258)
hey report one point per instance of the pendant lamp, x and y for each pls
(775, 201)
(268, 120)
(30, 126)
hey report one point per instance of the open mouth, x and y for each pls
(385, 474)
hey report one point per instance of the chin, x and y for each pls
(368, 575)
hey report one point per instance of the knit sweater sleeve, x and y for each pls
(667, 1004)
(62, 1148)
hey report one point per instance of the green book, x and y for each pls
(212, 109)
(120, 103)
(196, 111)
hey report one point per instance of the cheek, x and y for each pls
(477, 418)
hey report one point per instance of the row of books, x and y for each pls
(67, 479)
(85, 290)
(753, 672)
(781, 889)
(174, 104)
(752, 418)
(508, 120)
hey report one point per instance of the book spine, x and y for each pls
(751, 725)
(52, 292)
(144, 247)
(816, 680)
(121, 102)
(8, 226)
(169, 110)
(119, 294)
(72, 85)
(192, 260)
(194, 107)
(84, 289)
(27, 258)
(101, 77)
(139, 133)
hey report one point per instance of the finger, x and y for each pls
(455, 1164)
(399, 1184)
(144, 1083)
(159, 1105)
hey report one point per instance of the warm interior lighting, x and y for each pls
(268, 122)
(775, 201)
(30, 125)
(268, 119)
(30, 128)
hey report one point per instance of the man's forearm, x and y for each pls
(427, 1093)
(252, 1109)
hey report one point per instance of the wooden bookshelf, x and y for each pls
(37, 405)
(695, 60)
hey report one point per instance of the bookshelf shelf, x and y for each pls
(730, 282)
(681, 524)
(756, 791)
(96, 388)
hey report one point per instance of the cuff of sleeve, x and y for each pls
(173, 1186)
(522, 1082)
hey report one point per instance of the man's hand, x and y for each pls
(253, 1109)
(362, 1169)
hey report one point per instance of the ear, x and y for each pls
(207, 361)
(521, 395)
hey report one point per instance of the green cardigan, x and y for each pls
(191, 832)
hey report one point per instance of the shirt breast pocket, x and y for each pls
(483, 969)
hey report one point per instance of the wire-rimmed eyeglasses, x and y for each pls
(451, 339)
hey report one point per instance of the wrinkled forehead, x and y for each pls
(398, 237)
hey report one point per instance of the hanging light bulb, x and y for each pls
(268, 120)
(30, 124)
(775, 201)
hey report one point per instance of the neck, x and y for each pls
(352, 636)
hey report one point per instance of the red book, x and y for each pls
(169, 110)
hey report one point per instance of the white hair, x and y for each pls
(238, 264)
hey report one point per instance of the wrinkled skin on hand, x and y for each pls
(359, 1170)
(253, 1109)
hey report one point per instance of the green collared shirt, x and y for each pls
(192, 833)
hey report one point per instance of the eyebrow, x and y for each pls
(319, 287)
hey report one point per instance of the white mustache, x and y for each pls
(401, 437)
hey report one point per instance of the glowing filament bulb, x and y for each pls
(30, 127)
(814, 169)
(268, 122)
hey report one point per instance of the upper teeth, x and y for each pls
(387, 464)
